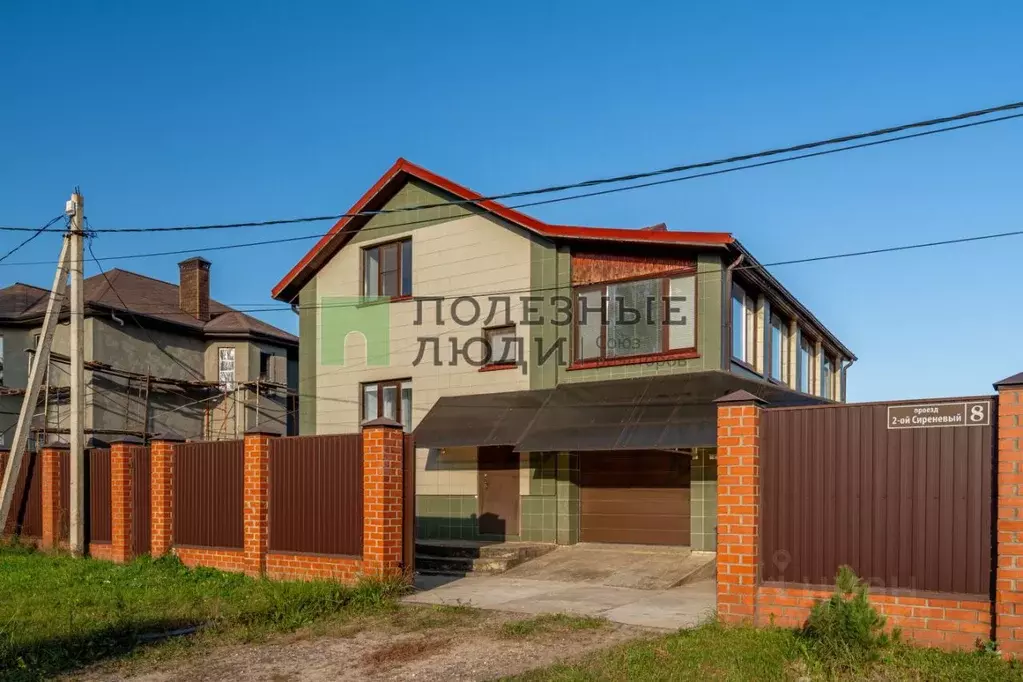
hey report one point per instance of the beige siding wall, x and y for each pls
(470, 255)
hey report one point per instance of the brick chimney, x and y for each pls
(194, 287)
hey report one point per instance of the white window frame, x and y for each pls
(227, 375)
(501, 354)
(748, 345)
(782, 349)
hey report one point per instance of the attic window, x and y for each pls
(387, 270)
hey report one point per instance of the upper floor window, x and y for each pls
(387, 269)
(805, 366)
(744, 327)
(225, 368)
(827, 377)
(391, 399)
(637, 317)
(779, 349)
(502, 346)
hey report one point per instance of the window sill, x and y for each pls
(379, 300)
(495, 368)
(634, 360)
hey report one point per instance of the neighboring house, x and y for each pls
(609, 440)
(160, 358)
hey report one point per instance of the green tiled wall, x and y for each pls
(543, 471)
(568, 498)
(704, 499)
(539, 518)
(446, 517)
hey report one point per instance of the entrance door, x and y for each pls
(498, 491)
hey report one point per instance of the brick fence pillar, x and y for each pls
(738, 462)
(1009, 572)
(161, 457)
(256, 496)
(122, 515)
(51, 483)
(383, 453)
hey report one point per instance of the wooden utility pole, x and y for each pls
(40, 363)
(76, 539)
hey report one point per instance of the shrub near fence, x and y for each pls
(804, 490)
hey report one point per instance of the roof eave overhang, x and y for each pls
(759, 274)
(288, 288)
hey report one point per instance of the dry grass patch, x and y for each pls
(551, 622)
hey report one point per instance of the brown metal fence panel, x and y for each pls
(905, 508)
(315, 494)
(97, 496)
(409, 507)
(26, 515)
(209, 486)
(141, 500)
(97, 492)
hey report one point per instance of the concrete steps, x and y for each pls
(473, 558)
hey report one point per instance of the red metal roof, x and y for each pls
(397, 174)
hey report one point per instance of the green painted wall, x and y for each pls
(308, 313)
(550, 273)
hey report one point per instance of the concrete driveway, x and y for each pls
(670, 609)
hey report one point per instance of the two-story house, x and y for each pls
(159, 358)
(559, 379)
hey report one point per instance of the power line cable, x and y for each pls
(526, 290)
(616, 179)
(131, 314)
(267, 242)
(35, 234)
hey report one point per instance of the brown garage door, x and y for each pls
(637, 497)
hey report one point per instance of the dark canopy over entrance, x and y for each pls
(487, 419)
(673, 411)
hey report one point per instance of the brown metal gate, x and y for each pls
(904, 507)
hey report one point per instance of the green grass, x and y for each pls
(550, 622)
(58, 613)
(717, 652)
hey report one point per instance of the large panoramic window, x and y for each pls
(805, 366)
(779, 349)
(744, 327)
(391, 399)
(387, 270)
(637, 317)
(827, 377)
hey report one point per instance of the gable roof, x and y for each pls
(402, 170)
(142, 296)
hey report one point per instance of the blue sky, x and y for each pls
(228, 111)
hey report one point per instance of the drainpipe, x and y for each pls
(726, 314)
(846, 364)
